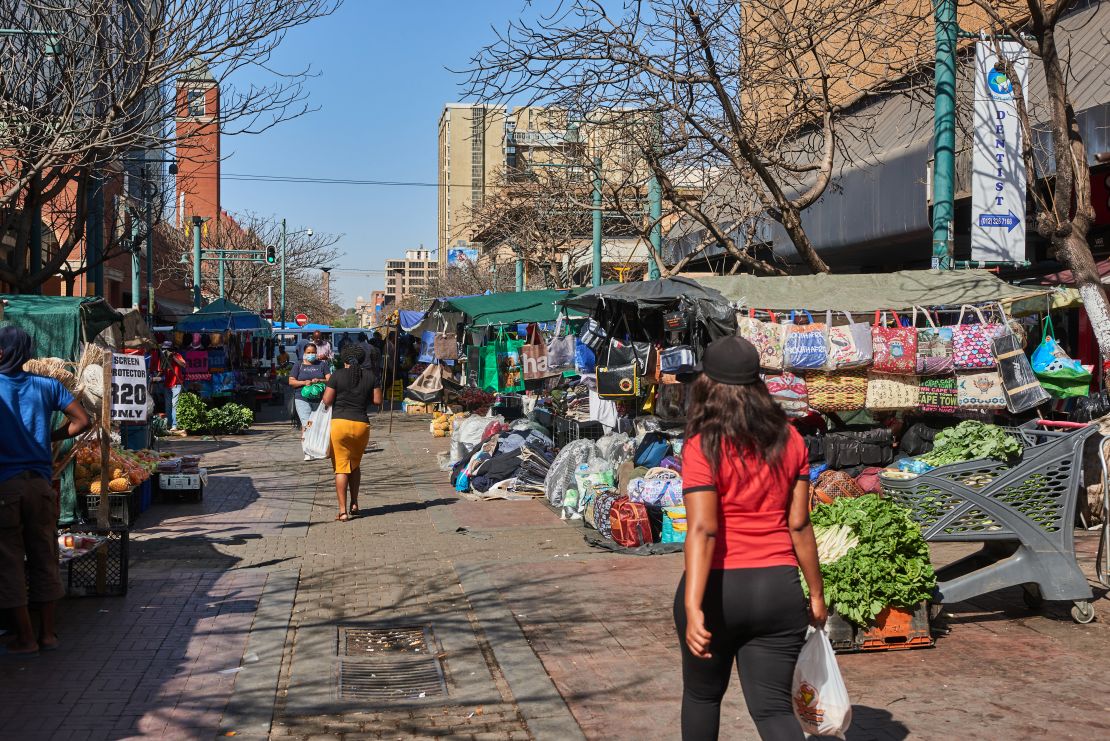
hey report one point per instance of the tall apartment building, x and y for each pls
(408, 276)
(478, 144)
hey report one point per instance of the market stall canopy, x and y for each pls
(650, 294)
(410, 320)
(902, 289)
(59, 324)
(507, 308)
(223, 316)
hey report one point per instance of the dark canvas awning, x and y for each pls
(507, 308)
(223, 316)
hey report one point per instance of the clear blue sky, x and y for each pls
(382, 84)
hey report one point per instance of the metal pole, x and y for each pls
(283, 274)
(136, 265)
(655, 213)
(149, 259)
(519, 272)
(197, 222)
(94, 234)
(944, 134)
(220, 259)
(597, 222)
(36, 234)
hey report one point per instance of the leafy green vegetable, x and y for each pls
(969, 441)
(194, 416)
(889, 566)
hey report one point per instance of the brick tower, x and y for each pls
(198, 145)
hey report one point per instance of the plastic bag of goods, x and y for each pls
(820, 698)
(594, 474)
(560, 477)
(468, 433)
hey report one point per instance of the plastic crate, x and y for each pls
(896, 628)
(842, 634)
(122, 508)
(82, 579)
(509, 406)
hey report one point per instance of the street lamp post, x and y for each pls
(944, 133)
(197, 223)
(597, 223)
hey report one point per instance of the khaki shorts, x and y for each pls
(28, 541)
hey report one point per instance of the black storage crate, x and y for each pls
(123, 507)
(510, 406)
(82, 577)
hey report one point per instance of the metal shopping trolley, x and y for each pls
(1024, 515)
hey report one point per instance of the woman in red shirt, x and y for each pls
(745, 479)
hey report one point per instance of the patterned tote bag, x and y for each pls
(894, 349)
(766, 336)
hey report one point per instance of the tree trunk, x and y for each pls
(792, 222)
(1074, 252)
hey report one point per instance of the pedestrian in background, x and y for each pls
(172, 365)
(307, 379)
(28, 502)
(350, 390)
(745, 482)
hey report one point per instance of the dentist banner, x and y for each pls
(997, 170)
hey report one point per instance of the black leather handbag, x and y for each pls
(622, 382)
(859, 447)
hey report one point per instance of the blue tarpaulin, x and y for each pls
(410, 320)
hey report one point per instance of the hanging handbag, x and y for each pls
(934, 348)
(675, 321)
(1023, 390)
(937, 394)
(894, 349)
(592, 334)
(849, 344)
(789, 391)
(1060, 375)
(560, 350)
(446, 346)
(804, 347)
(533, 356)
(674, 360)
(971, 343)
(618, 383)
(889, 392)
(766, 336)
(837, 391)
(427, 347)
(981, 389)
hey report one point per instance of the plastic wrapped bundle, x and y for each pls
(616, 448)
(561, 477)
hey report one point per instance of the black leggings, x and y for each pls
(758, 620)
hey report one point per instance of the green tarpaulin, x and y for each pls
(58, 324)
(223, 316)
(509, 308)
(902, 289)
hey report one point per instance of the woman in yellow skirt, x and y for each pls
(348, 393)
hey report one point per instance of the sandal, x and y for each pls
(342, 517)
(354, 510)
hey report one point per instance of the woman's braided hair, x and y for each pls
(353, 356)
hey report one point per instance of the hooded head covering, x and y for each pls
(16, 348)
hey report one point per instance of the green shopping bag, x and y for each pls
(502, 369)
(1059, 374)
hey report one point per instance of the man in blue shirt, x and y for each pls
(28, 503)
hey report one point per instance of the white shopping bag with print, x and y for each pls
(820, 699)
(317, 434)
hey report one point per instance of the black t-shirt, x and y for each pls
(351, 399)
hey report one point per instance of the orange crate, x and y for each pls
(896, 628)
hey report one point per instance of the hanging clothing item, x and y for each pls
(603, 411)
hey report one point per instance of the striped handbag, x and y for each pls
(837, 391)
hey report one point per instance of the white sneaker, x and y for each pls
(308, 457)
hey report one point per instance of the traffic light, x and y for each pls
(271, 257)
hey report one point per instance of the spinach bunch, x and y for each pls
(969, 441)
(889, 566)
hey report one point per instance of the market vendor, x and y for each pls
(28, 503)
(321, 346)
(307, 379)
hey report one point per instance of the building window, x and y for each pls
(195, 102)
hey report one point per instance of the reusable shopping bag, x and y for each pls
(981, 389)
(560, 350)
(427, 347)
(804, 347)
(891, 392)
(821, 701)
(789, 391)
(510, 370)
(1023, 390)
(317, 434)
(313, 391)
(428, 386)
(592, 334)
(937, 394)
(971, 343)
(849, 344)
(894, 349)
(837, 391)
(1060, 375)
(533, 355)
(584, 359)
(934, 348)
(766, 336)
(445, 346)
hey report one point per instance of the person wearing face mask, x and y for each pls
(307, 379)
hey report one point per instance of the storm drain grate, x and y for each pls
(383, 664)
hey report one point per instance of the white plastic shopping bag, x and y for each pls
(820, 699)
(317, 434)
